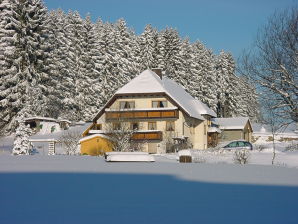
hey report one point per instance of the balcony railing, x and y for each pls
(148, 135)
(139, 114)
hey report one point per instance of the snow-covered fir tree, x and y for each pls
(123, 44)
(204, 84)
(60, 99)
(88, 87)
(227, 84)
(148, 48)
(171, 45)
(21, 144)
(108, 79)
(23, 59)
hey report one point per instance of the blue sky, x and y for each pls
(228, 25)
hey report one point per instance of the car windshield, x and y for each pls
(246, 143)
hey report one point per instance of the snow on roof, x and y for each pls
(40, 118)
(149, 82)
(95, 135)
(213, 130)
(184, 152)
(64, 120)
(232, 122)
(43, 140)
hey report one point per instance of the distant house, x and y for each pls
(46, 124)
(64, 124)
(234, 128)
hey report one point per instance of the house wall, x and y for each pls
(184, 125)
(230, 135)
(247, 132)
(95, 146)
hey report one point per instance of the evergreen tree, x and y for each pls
(60, 99)
(204, 84)
(87, 86)
(22, 145)
(147, 48)
(225, 69)
(171, 44)
(108, 79)
(23, 58)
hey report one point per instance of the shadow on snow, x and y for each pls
(123, 198)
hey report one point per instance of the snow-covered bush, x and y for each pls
(22, 145)
(259, 148)
(241, 156)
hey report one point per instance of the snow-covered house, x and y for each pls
(234, 128)
(158, 110)
(42, 124)
(45, 125)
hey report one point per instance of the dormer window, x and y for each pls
(127, 104)
(160, 103)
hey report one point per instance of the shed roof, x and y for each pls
(95, 135)
(232, 122)
(41, 118)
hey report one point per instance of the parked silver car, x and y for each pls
(240, 144)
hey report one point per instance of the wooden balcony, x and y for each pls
(139, 114)
(148, 135)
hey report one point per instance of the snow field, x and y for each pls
(85, 189)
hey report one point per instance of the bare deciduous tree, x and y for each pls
(272, 63)
(274, 121)
(121, 134)
(70, 141)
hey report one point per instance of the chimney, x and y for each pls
(158, 72)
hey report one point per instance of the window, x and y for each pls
(209, 121)
(241, 144)
(156, 104)
(127, 104)
(98, 127)
(170, 126)
(232, 144)
(152, 126)
(116, 126)
(134, 126)
(247, 144)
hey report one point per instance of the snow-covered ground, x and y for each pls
(85, 189)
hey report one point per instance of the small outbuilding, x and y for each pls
(96, 144)
(234, 128)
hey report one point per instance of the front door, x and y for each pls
(152, 147)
